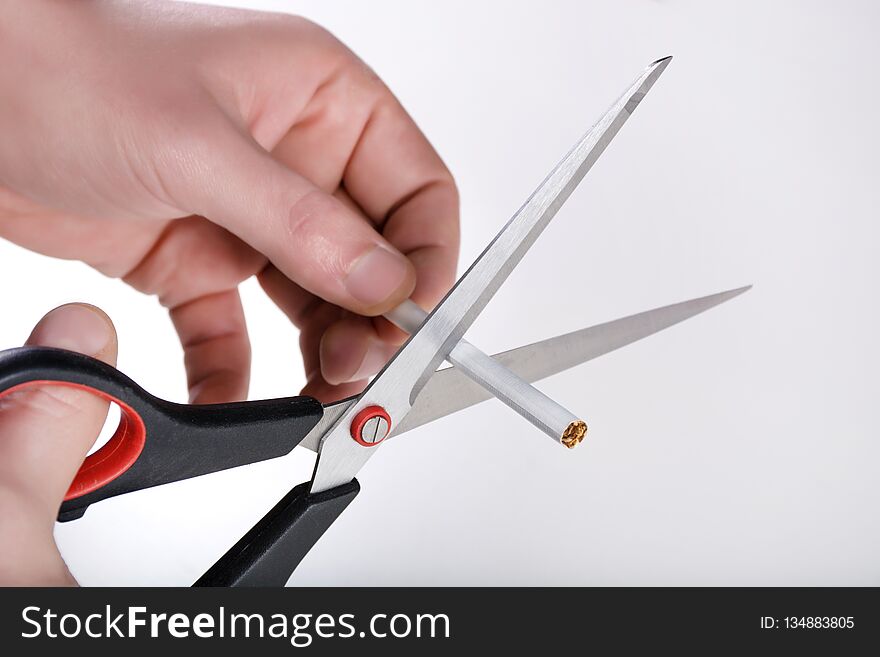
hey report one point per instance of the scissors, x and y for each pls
(159, 442)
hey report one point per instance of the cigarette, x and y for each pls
(532, 404)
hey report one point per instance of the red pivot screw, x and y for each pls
(371, 426)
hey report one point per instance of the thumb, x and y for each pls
(45, 433)
(309, 235)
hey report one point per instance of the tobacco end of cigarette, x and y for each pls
(574, 434)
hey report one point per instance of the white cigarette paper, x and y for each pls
(532, 404)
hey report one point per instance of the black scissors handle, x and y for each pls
(157, 441)
(271, 550)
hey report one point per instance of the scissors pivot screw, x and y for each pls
(371, 426)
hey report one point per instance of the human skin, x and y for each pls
(45, 434)
(184, 149)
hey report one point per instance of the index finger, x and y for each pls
(398, 179)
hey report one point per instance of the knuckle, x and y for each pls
(311, 207)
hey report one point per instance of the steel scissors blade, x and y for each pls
(449, 391)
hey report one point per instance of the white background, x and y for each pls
(739, 448)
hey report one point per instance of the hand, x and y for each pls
(45, 433)
(184, 149)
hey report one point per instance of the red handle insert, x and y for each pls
(115, 457)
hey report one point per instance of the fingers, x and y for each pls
(45, 433)
(354, 133)
(398, 179)
(351, 350)
(312, 316)
(338, 347)
(309, 235)
(326, 393)
(216, 348)
(422, 223)
(195, 268)
(352, 162)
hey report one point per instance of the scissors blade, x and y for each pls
(449, 391)
(397, 386)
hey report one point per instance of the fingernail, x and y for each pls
(75, 327)
(374, 360)
(376, 276)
